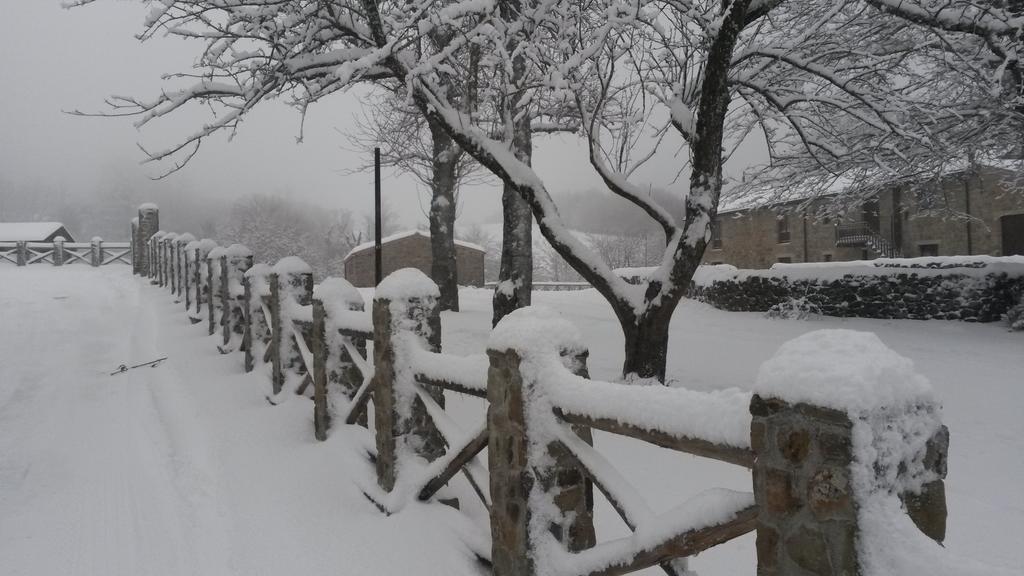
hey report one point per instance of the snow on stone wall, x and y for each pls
(975, 289)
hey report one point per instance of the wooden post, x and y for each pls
(236, 261)
(178, 265)
(378, 269)
(197, 273)
(96, 252)
(276, 371)
(58, 252)
(137, 245)
(247, 341)
(401, 422)
(334, 363)
(321, 411)
(162, 248)
(225, 302)
(187, 276)
(22, 248)
(211, 290)
(151, 259)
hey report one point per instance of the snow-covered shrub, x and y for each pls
(1015, 316)
(794, 309)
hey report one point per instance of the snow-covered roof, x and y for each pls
(406, 234)
(29, 231)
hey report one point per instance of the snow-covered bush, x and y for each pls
(1015, 316)
(794, 309)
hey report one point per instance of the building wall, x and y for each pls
(750, 239)
(990, 200)
(413, 252)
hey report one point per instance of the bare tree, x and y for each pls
(834, 85)
(411, 145)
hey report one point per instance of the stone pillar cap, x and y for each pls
(845, 370)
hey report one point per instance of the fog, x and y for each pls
(55, 165)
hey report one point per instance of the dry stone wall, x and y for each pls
(979, 293)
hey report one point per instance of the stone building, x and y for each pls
(896, 223)
(412, 250)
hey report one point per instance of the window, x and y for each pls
(930, 198)
(928, 249)
(783, 229)
(716, 234)
(785, 259)
(826, 258)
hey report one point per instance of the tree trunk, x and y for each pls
(515, 278)
(443, 267)
(646, 345)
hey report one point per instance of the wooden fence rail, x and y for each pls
(59, 253)
(542, 466)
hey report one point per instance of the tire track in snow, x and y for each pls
(169, 415)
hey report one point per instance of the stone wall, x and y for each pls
(878, 292)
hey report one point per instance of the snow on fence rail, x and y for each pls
(60, 253)
(838, 424)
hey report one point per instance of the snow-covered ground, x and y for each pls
(186, 469)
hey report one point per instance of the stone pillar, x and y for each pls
(58, 252)
(511, 475)
(524, 463)
(404, 306)
(22, 248)
(149, 224)
(807, 517)
(96, 252)
(928, 508)
(808, 455)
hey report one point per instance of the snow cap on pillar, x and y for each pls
(405, 284)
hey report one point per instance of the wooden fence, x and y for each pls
(60, 253)
(542, 465)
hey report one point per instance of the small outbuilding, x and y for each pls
(411, 249)
(33, 232)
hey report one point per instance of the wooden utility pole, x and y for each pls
(378, 272)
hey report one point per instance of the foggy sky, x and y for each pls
(54, 60)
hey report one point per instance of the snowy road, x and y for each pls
(176, 470)
(185, 469)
